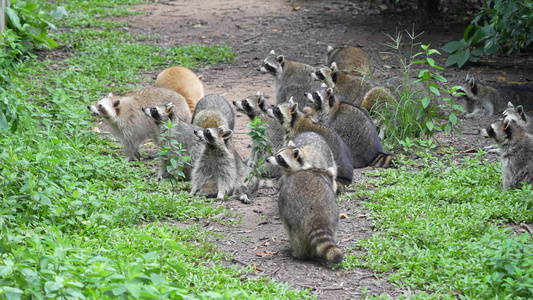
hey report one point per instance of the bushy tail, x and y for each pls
(384, 160)
(324, 244)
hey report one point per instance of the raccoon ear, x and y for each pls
(323, 85)
(506, 124)
(331, 172)
(334, 67)
(330, 49)
(467, 77)
(520, 111)
(261, 100)
(280, 59)
(291, 144)
(226, 133)
(296, 153)
(293, 106)
(510, 105)
(272, 52)
(116, 103)
(472, 85)
(201, 77)
(110, 95)
(329, 92)
(169, 107)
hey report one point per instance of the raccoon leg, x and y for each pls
(163, 173)
(491, 149)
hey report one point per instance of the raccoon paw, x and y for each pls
(244, 199)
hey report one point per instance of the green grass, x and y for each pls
(442, 230)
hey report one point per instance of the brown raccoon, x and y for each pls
(484, 100)
(349, 58)
(255, 106)
(516, 151)
(378, 99)
(291, 78)
(183, 81)
(295, 122)
(310, 215)
(354, 126)
(213, 111)
(219, 164)
(308, 150)
(349, 87)
(129, 124)
(182, 132)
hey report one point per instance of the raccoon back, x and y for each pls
(184, 82)
(309, 212)
(216, 103)
(350, 58)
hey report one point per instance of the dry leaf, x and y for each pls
(387, 67)
(385, 57)
(502, 78)
(296, 8)
(469, 151)
(266, 254)
(343, 216)
(274, 30)
(361, 215)
(96, 129)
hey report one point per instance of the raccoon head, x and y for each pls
(252, 106)
(160, 113)
(516, 114)
(325, 76)
(273, 64)
(501, 131)
(214, 136)
(288, 158)
(469, 89)
(317, 98)
(108, 107)
(284, 113)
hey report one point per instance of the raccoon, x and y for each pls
(308, 150)
(255, 106)
(127, 121)
(484, 100)
(219, 164)
(518, 115)
(182, 132)
(349, 87)
(291, 78)
(516, 151)
(349, 58)
(295, 122)
(310, 214)
(354, 126)
(184, 82)
(213, 111)
(378, 99)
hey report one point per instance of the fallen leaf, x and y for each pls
(346, 240)
(96, 129)
(469, 151)
(274, 30)
(387, 67)
(296, 8)
(343, 216)
(361, 215)
(502, 78)
(383, 7)
(332, 10)
(266, 254)
(385, 57)
(202, 37)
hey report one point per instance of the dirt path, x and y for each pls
(301, 30)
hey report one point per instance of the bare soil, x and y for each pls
(301, 30)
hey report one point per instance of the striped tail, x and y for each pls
(322, 240)
(384, 160)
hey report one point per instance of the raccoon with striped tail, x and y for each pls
(291, 78)
(182, 132)
(516, 151)
(255, 106)
(127, 121)
(354, 126)
(295, 122)
(309, 213)
(219, 164)
(308, 150)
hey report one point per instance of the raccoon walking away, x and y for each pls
(184, 82)
(484, 100)
(127, 121)
(516, 152)
(213, 111)
(291, 78)
(310, 215)
(182, 132)
(354, 126)
(295, 122)
(219, 164)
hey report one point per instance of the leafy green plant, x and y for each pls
(417, 112)
(260, 147)
(171, 153)
(31, 24)
(476, 41)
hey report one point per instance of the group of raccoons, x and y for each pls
(318, 135)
